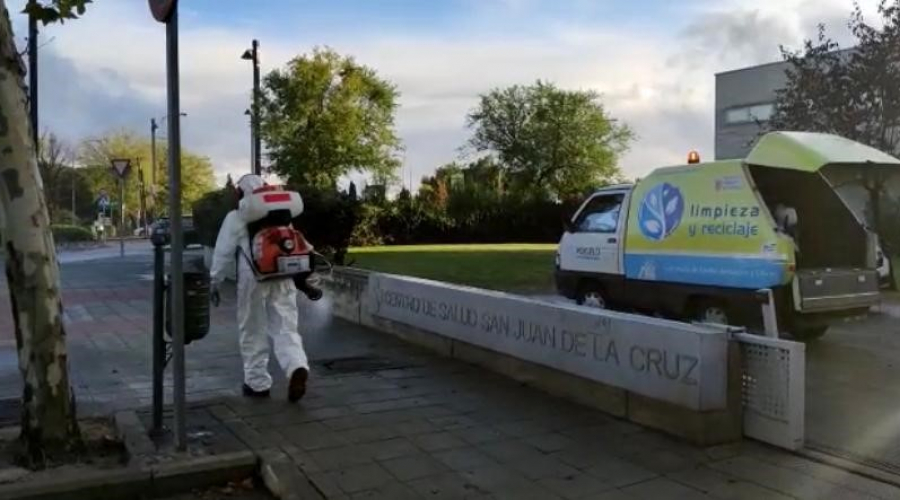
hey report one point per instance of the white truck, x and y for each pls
(705, 241)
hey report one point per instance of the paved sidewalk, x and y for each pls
(384, 419)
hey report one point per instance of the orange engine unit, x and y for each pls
(280, 251)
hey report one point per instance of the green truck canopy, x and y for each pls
(810, 151)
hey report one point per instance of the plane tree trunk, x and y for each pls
(49, 425)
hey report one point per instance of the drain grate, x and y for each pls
(357, 364)
(10, 411)
(890, 466)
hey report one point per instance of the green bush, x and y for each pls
(71, 234)
(209, 212)
(328, 221)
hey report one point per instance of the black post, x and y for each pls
(33, 76)
(177, 281)
(159, 346)
(257, 141)
(153, 128)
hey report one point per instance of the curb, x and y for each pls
(283, 478)
(139, 481)
(181, 476)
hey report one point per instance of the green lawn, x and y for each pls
(509, 267)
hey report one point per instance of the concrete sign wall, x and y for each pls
(670, 361)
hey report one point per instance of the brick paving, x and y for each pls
(384, 419)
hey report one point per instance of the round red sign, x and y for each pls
(162, 9)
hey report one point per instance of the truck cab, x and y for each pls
(702, 241)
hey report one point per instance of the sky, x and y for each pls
(653, 62)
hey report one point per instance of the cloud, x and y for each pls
(108, 71)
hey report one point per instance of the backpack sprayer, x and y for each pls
(277, 249)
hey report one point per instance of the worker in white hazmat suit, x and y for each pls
(264, 309)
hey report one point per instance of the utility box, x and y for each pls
(196, 301)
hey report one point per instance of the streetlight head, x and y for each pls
(247, 112)
(248, 55)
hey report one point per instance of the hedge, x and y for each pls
(66, 233)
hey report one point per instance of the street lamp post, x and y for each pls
(252, 54)
(154, 126)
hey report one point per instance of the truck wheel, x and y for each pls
(711, 311)
(809, 333)
(591, 295)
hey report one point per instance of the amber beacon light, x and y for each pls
(693, 157)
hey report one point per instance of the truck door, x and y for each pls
(593, 242)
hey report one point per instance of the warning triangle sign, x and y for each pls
(121, 167)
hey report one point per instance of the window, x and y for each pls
(750, 114)
(600, 215)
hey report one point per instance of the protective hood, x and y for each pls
(250, 182)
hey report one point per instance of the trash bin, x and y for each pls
(196, 301)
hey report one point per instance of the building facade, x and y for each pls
(745, 99)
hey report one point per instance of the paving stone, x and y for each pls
(576, 486)
(389, 491)
(313, 436)
(464, 459)
(412, 467)
(543, 467)
(390, 448)
(338, 458)
(453, 422)
(510, 451)
(479, 434)
(325, 483)
(550, 442)
(663, 461)
(370, 433)
(359, 478)
(783, 480)
(415, 427)
(618, 472)
(655, 489)
(723, 486)
(447, 486)
(437, 441)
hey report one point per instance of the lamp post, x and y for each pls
(154, 126)
(252, 54)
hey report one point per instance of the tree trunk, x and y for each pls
(49, 426)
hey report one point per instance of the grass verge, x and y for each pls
(519, 268)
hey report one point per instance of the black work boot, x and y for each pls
(297, 384)
(250, 393)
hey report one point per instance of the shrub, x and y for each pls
(328, 221)
(71, 234)
(209, 212)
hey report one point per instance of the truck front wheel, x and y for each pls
(808, 333)
(710, 311)
(591, 295)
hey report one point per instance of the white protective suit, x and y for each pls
(264, 308)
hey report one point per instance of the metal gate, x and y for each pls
(773, 389)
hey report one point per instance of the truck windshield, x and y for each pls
(600, 215)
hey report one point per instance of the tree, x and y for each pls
(96, 155)
(54, 159)
(852, 93)
(554, 142)
(324, 116)
(49, 426)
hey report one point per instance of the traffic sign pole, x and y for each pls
(121, 167)
(121, 217)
